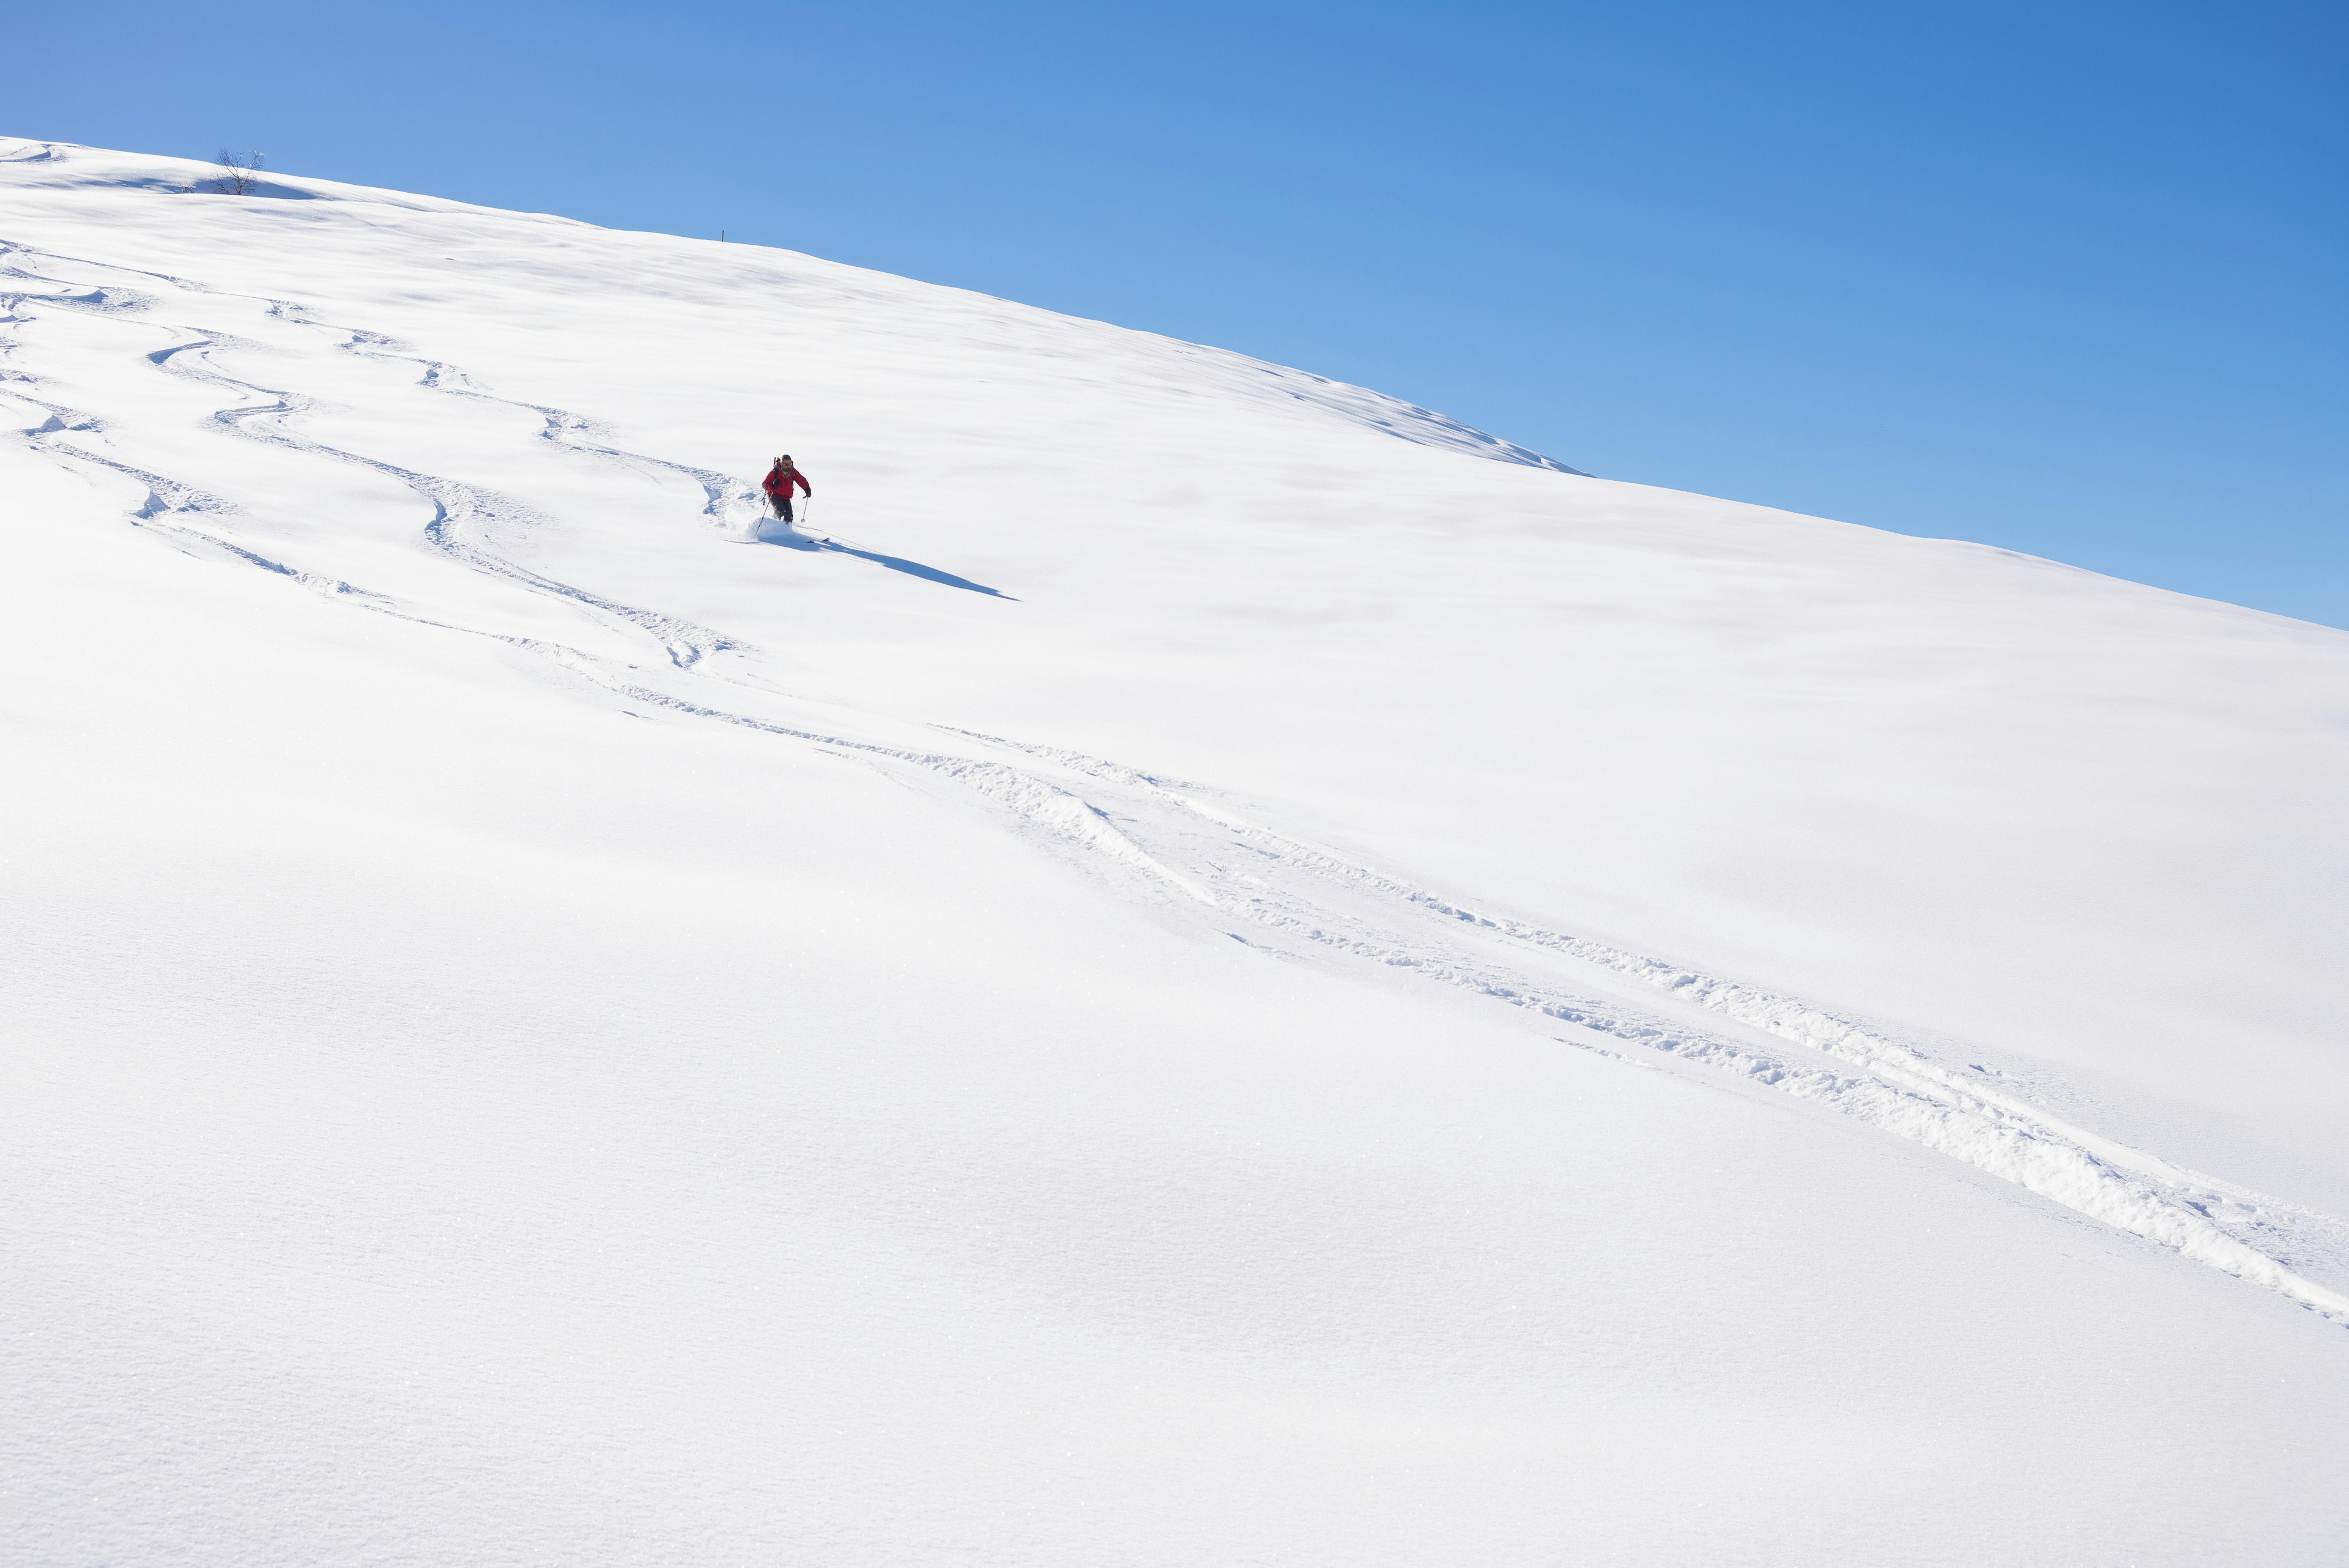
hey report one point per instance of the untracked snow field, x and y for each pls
(1206, 968)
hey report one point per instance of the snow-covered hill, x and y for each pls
(1211, 968)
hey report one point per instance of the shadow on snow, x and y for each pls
(791, 540)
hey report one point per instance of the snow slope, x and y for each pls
(1230, 970)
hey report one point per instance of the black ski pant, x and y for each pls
(783, 505)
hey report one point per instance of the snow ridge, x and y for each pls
(1392, 416)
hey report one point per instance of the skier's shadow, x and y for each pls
(791, 540)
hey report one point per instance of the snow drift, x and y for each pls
(1209, 965)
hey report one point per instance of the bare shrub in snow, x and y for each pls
(234, 173)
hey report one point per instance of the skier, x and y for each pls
(780, 480)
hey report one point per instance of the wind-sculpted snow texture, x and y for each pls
(1499, 783)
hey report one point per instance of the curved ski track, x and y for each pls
(1198, 853)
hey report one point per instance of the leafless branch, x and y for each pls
(234, 173)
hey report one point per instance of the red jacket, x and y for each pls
(781, 479)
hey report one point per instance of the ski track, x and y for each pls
(1180, 838)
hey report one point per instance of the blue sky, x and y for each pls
(2069, 279)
